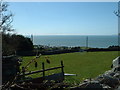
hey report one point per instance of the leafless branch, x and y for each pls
(6, 18)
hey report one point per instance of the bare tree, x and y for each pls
(6, 18)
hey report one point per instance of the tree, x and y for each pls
(16, 43)
(11, 42)
(21, 43)
(6, 18)
(7, 48)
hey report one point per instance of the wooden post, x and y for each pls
(62, 68)
(43, 67)
(23, 72)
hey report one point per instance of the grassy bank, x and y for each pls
(84, 64)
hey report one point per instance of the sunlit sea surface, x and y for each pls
(100, 41)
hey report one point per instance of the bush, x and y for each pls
(15, 43)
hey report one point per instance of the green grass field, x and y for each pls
(84, 64)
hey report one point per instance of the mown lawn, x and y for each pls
(84, 64)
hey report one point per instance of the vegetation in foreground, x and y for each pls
(83, 64)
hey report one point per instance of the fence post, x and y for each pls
(23, 72)
(62, 69)
(43, 68)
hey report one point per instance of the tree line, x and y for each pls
(11, 43)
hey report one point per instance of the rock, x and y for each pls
(110, 81)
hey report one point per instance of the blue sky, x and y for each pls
(64, 18)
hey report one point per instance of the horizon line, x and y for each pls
(65, 35)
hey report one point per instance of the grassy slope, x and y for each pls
(84, 64)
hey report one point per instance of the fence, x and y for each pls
(50, 77)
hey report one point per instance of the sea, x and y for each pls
(95, 41)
